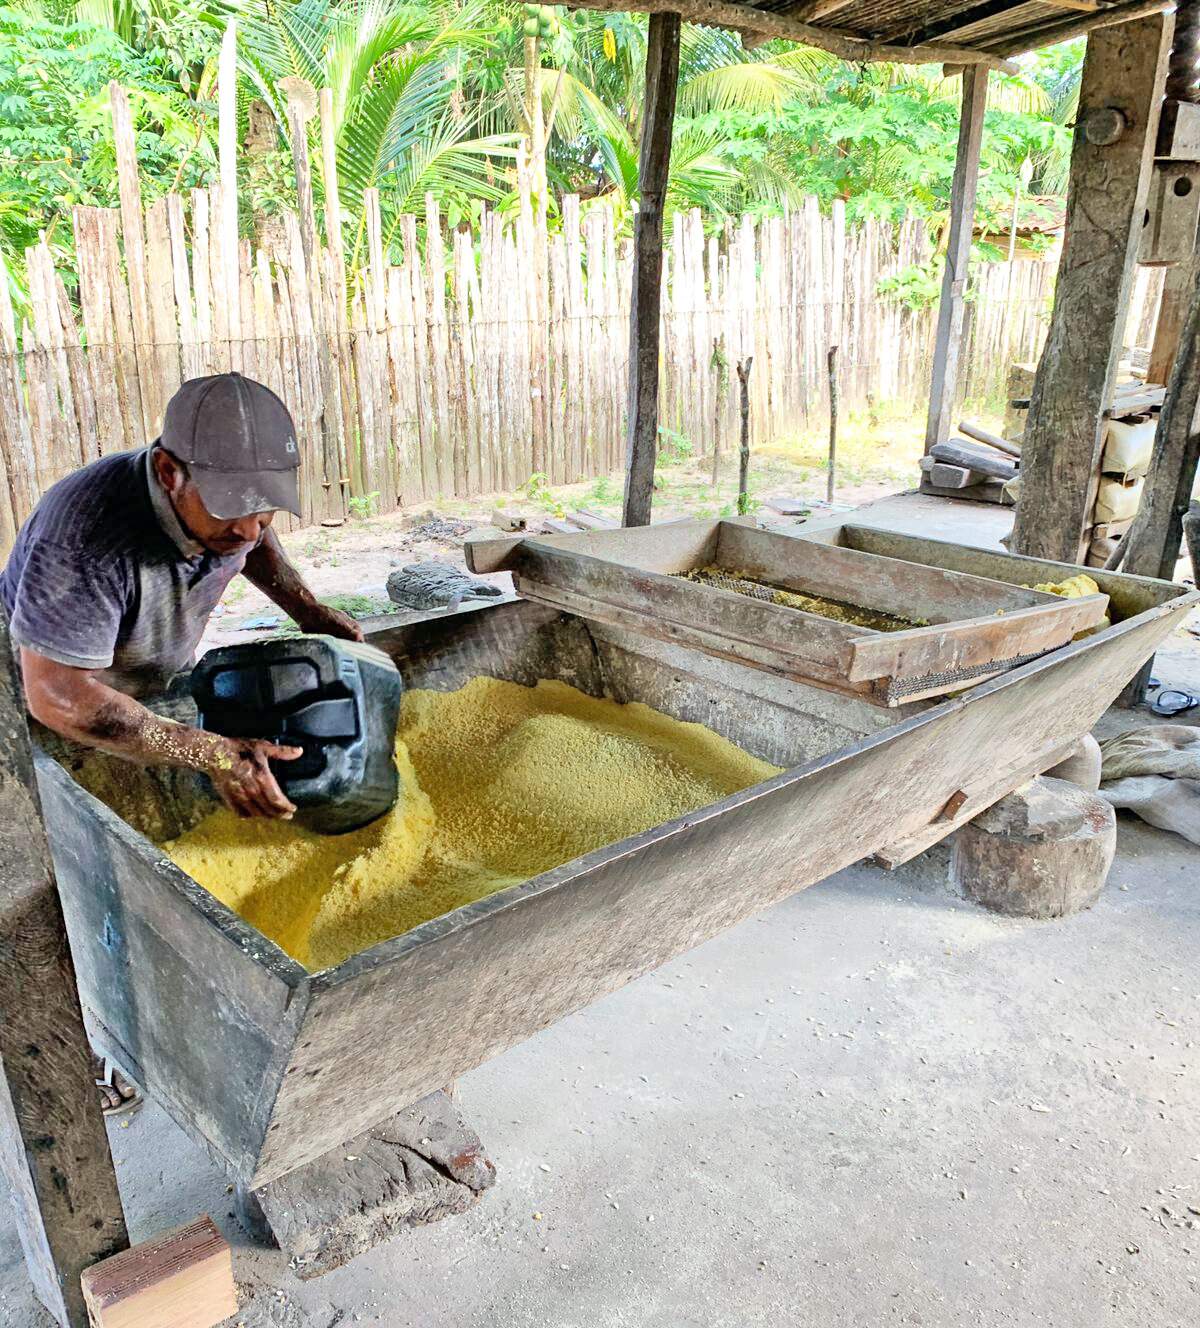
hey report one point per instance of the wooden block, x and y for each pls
(974, 456)
(1042, 852)
(423, 1164)
(1179, 131)
(504, 518)
(946, 476)
(789, 506)
(586, 520)
(988, 491)
(182, 1279)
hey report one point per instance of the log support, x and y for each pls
(1041, 852)
(943, 388)
(658, 117)
(53, 1144)
(423, 1164)
(1123, 76)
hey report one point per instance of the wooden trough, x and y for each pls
(275, 1069)
(904, 630)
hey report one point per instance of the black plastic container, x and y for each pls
(338, 700)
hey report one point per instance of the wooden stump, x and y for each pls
(423, 1164)
(1082, 767)
(1042, 852)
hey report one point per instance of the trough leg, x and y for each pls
(423, 1164)
(1042, 852)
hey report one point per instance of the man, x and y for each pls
(116, 572)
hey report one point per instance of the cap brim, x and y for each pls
(228, 494)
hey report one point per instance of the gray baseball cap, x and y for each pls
(239, 443)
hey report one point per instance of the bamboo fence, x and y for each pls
(453, 362)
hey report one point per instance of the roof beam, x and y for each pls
(953, 23)
(1061, 30)
(744, 18)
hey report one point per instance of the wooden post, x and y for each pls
(943, 387)
(52, 1138)
(658, 116)
(1152, 544)
(743, 373)
(833, 422)
(1119, 100)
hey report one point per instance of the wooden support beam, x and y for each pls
(658, 118)
(743, 18)
(952, 305)
(53, 1144)
(1153, 542)
(1119, 100)
(1178, 280)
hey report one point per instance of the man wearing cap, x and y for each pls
(115, 574)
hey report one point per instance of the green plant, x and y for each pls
(673, 445)
(536, 490)
(603, 490)
(364, 505)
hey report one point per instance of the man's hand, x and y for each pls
(268, 568)
(244, 781)
(77, 704)
(325, 620)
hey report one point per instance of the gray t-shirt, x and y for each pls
(103, 576)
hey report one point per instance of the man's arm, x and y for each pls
(268, 568)
(75, 703)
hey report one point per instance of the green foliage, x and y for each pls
(431, 98)
(603, 491)
(673, 445)
(56, 147)
(536, 490)
(364, 505)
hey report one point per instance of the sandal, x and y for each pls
(118, 1096)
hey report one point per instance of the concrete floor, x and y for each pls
(874, 1104)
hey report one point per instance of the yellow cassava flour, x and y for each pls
(499, 782)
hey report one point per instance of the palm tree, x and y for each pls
(393, 69)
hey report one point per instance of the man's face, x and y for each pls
(225, 537)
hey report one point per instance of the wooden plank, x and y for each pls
(658, 114)
(973, 456)
(163, 320)
(53, 1143)
(845, 45)
(1128, 595)
(962, 646)
(16, 435)
(889, 584)
(1123, 71)
(181, 1279)
(129, 382)
(943, 392)
(129, 186)
(227, 211)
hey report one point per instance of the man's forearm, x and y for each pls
(269, 569)
(101, 717)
